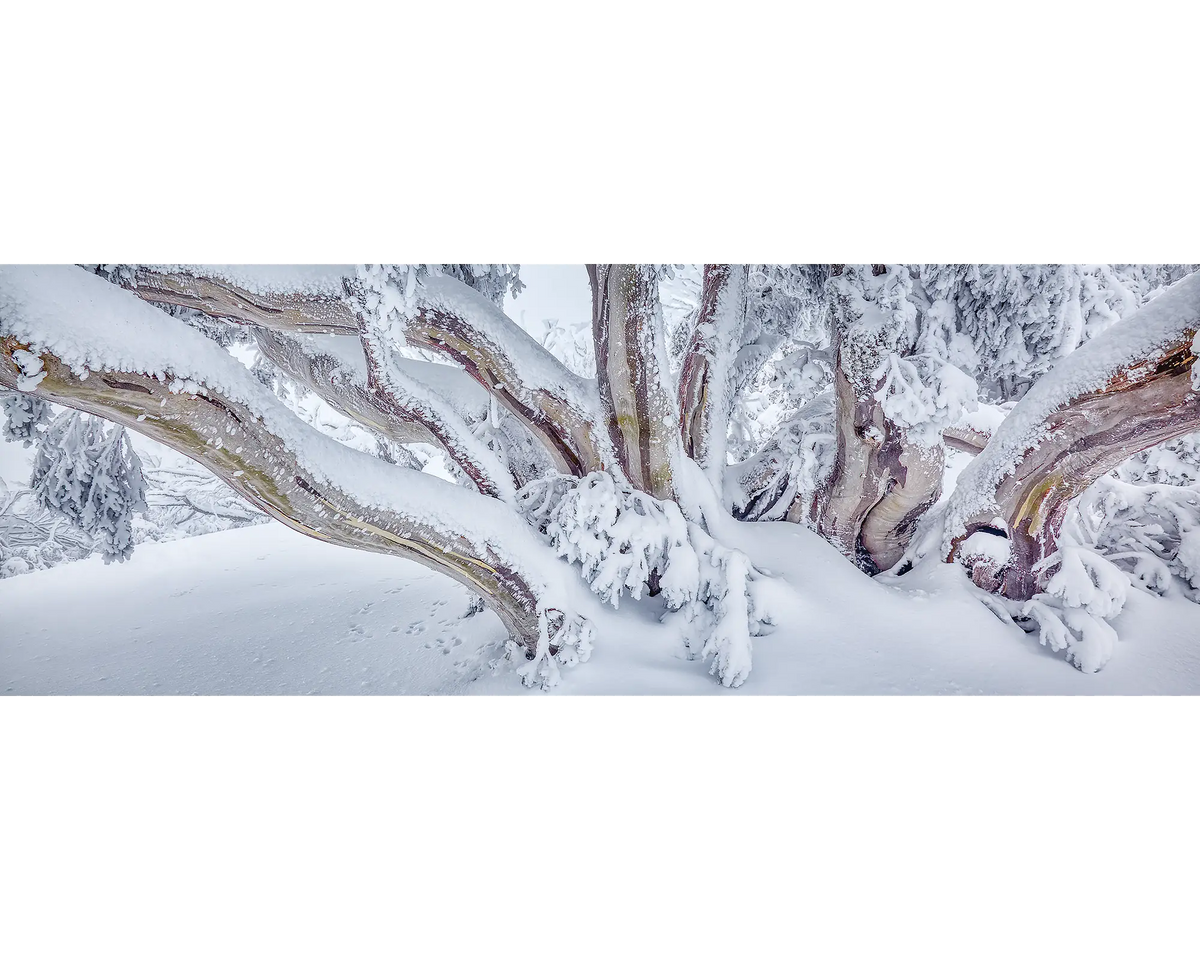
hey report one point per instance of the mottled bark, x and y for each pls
(1147, 401)
(637, 405)
(227, 438)
(881, 482)
(218, 297)
(550, 413)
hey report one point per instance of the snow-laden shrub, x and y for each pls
(117, 491)
(93, 478)
(624, 541)
(23, 416)
(794, 464)
(1145, 517)
(923, 395)
(619, 536)
(562, 642)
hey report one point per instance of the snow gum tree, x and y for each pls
(828, 395)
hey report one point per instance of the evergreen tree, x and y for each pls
(117, 490)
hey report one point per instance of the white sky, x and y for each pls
(552, 292)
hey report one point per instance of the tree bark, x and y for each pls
(214, 296)
(881, 482)
(1126, 390)
(260, 466)
(638, 408)
(522, 375)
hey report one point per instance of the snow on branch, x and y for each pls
(1126, 390)
(452, 319)
(298, 299)
(104, 352)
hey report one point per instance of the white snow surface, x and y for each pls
(266, 610)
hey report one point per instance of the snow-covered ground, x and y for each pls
(266, 610)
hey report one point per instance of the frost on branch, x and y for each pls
(785, 477)
(23, 416)
(1145, 517)
(924, 402)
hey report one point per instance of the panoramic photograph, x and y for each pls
(716, 478)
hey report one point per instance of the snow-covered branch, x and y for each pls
(293, 299)
(441, 313)
(557, 406)
(70, 337)
(707, 377)
(1126, 390)
(396, 405)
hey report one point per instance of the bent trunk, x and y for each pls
(1128, 389)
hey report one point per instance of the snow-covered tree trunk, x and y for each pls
(638, 403)
(1126, 390)
(705, 379)
(882, 482)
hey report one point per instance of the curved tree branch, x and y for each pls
(315, 306)
(74, 339)
(449, 318)
(557, 406)
(1124, 391)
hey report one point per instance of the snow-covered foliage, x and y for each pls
(396, 284)
(793, 465)
(23, 416)
(625, 540)
(65, 463)
(123, 273)
(92, 477)
(117, 491)
(1007, 324)
(1145, 517)
(622, 538)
